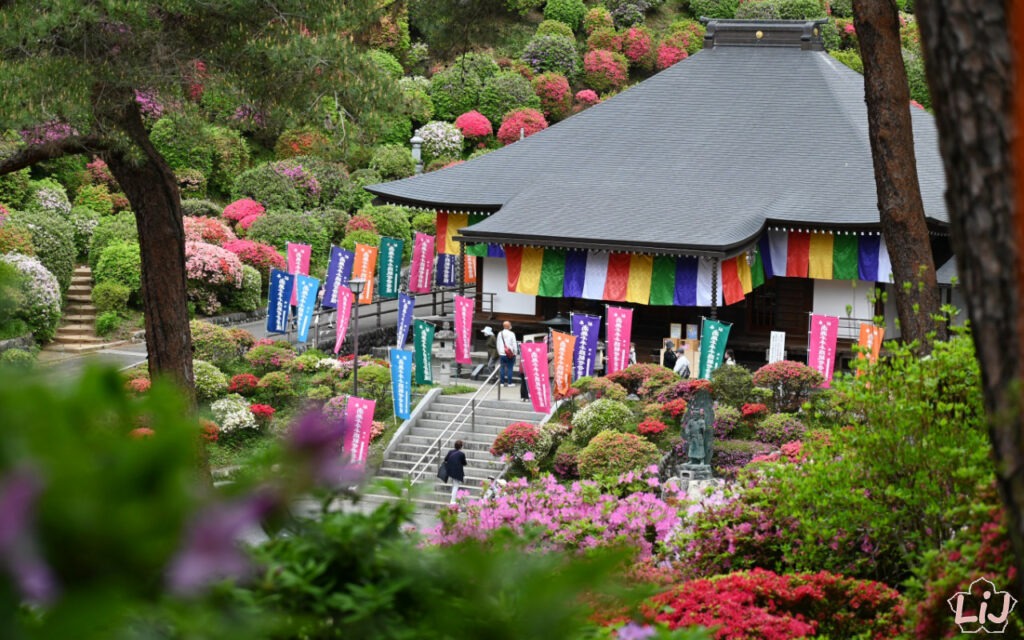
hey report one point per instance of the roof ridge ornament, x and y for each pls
(799, 34)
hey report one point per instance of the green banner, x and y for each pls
(389, 276)
(713, 336)
(663, 281)
(552, 273)
(423, 344)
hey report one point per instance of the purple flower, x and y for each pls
(529, 457)
(211, 550)
(18, 553)
(318, 441)
(634, 631)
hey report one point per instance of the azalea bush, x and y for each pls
(110, 229)
(569, 12)
(120, 263)
(643, 375)
(638, 47)
(601, 388)
(257, 255)
(440, 140)
(596, 18)
(605, 70)
(244, 384)
(211, 272)
(729, 456)
(525, 122)
(210, 382)
(457, 89)
(264, 358)
(39, 306)
(237, 422)
(555, 95)
(243, 210)
(780, 428)
(474, 125)
(727, 419)
(83, 222)
(53, 239)
(668, 54)
(791, 383)
(518, 438)
(600, 415)
(552, 53)
(214, 343)
(731, 385)
(605, 40)
(506, 91)
(611, 453)
(209, 230)
(279, 227)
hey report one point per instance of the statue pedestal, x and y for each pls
(692, 472)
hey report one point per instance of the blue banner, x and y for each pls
(338, 273)
(585, 328)
(305, 298)
(279, 300)
(405, 310)
(446, 269)
(401, 382)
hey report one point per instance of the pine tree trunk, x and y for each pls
(152, 191)
(899, 194)
(968, 61)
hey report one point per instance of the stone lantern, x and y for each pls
(444, 352)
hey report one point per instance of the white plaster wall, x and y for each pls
(845, 299)
(495, 280)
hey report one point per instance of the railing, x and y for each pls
(445, 436)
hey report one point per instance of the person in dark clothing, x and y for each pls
(456, 463)
(669, 359)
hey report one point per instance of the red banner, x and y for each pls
(871, 339)
(618, 331)
(364, 267)
(359, 419)
(564, 345)
(298, 262)
(469, 269)
(463, 329)
(821, 345)
(422, 268)
(344, 315)
(535, 368)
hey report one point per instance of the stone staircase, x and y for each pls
(491, 417)
(77, 333)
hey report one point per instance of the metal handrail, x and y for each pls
(452, 426)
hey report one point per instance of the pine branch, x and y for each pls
(51, 150)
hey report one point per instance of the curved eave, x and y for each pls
(431, 205)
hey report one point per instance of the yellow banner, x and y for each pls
(564, 344)
(638, 287)
(819, 261)
(363, 267)
(456, 221)
(743, 271)
(529, 274)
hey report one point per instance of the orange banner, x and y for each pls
(363, 267)
(469, 269)
(871, 340)
(564, 345)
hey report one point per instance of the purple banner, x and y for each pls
(618, 331)
(446, 269)
(538, 376)
(575, 272)
(405, 309)
(338, 273)
(463, 329)
(585, 328)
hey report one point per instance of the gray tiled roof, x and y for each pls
(700, 157)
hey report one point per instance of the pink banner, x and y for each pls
(538, 380)
(421, 273)
(345, 298)
(618, 331)
(298, 262)
(463, 329)
(359, 420)
(821, 345)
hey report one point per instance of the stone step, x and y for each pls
(83, 268)
(511, 404)
(521, 414)
(473, 478)
(472, 443)
(80, 318)
(80, 290)
(83, 298)
(477, 460)
(78, 339)
(480, 426)
(80, 307)
(77, 347)
(76, 329)
(469, 446)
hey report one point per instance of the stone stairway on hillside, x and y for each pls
(77, 333)
(491, 417)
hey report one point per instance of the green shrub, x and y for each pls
(38, 303)
(278, 228)
(14, 188)
(731, 385)
(17, 359)
(392, 162)
(610, 454)
(360, 236)
(425, 222)
(600, 415)
(120, 263)
(523, 7)
(211, 383)
(791, 383)
(117, 228)
(416, 103)
(727, 419)
(457, 89)
(332, 177)
(778, 429)
(111, 297)
(48, 195)
(841, 8)
(265, 358)
(249, 297)
(601, 388)
(95, 197)
(374, 382)
(570, 12)
(353, 196)
(201, 208)
(107, 323)
(53, 238)
(184, 143)
(633, 377)
(12, 302)
(506, 91)
(555, 54)
(387, 63)
(275, 388)
(850, 58)
(213, 343)
(272, 188)
(83, 222)
(713, 8)
(919, 92)
(556, 28)
(231, 156)
(780, 10)
(391, 221)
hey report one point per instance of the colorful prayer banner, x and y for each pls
(298, 261)
(306, 302)
(463, 329)
(406, 304)
(713, 336)
(563, 344)
(535, 368)
(446, 264)
(390, 272)
(575, 273)
(363, 268)
(421, 271)
(359, 419)
(448, 226)
(282, 284)
(401, 382)
(585, 328)
(529, 270)
(871, 340)
(618, 331)
(616, 280)
(821, 345)
(339, 270)
(423, 344)
(344, 313)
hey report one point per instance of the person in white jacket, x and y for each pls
(682, 363)
(508, 349)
